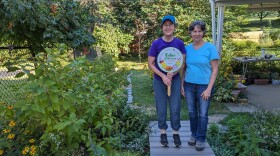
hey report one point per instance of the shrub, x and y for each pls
(72, 105)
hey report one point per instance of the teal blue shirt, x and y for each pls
(198, 63)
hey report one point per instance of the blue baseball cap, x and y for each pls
(168, 17)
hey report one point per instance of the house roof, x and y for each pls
(246, 2)
(254, 5)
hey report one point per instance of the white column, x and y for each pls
(220, 25)
(214, 34)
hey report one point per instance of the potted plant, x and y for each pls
(262, 78)
(275, 79)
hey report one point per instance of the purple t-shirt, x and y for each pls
(158, 45)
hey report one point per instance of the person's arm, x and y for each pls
(151, 64)
(183, 79)
(214, 65)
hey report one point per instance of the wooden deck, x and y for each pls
(186, 150)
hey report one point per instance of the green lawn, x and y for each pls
(267, 24)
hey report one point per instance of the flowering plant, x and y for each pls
(15, 138)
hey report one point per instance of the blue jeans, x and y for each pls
(174, 101)
(198, 109)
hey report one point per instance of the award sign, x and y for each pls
(170, 60)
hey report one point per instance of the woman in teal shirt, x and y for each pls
(198, 81)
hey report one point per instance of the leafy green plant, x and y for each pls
(74, 104)
(246, 134)
(275, 75)
(223, 86)
(17, 138)
(215, 138)
(132, 128)
(266, 124)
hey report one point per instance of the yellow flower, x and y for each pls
(32, 152)
(6, 131)
(12, 123)
(1, 152)
(23, 152)
(11, 136)
(10, 107)
(31, 140)
(26, 149)
(33, 148)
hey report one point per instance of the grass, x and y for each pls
(266, 24)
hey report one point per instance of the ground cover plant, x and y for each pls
(246, 134)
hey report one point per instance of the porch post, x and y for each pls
(214, 34)
(220, 25)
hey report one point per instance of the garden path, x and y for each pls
(265, 97)
(186, 150)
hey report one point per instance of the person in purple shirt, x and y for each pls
(164, 79)
(198, 82)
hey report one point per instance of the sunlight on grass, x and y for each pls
(132, 65)
(142, 88)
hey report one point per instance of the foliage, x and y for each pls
(234, 16)
(42, 23)
(132, 128)
(269, 38)
(268, 129)
(225, 82)
(245, 48)
(247, 134)
(112, 40)
(214, 137)
(275, 75)
(16, 138)
(262, 14)
(74, 104)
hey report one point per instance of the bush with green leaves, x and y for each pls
(73, 105)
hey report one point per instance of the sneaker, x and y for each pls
(177, 141)
(192, 141)
(163, 140)
(199, 146)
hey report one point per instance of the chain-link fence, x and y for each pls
(10, 90)
(10, 85)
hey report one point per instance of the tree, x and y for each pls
(262, 15)
(141, 28)
(40, 24)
